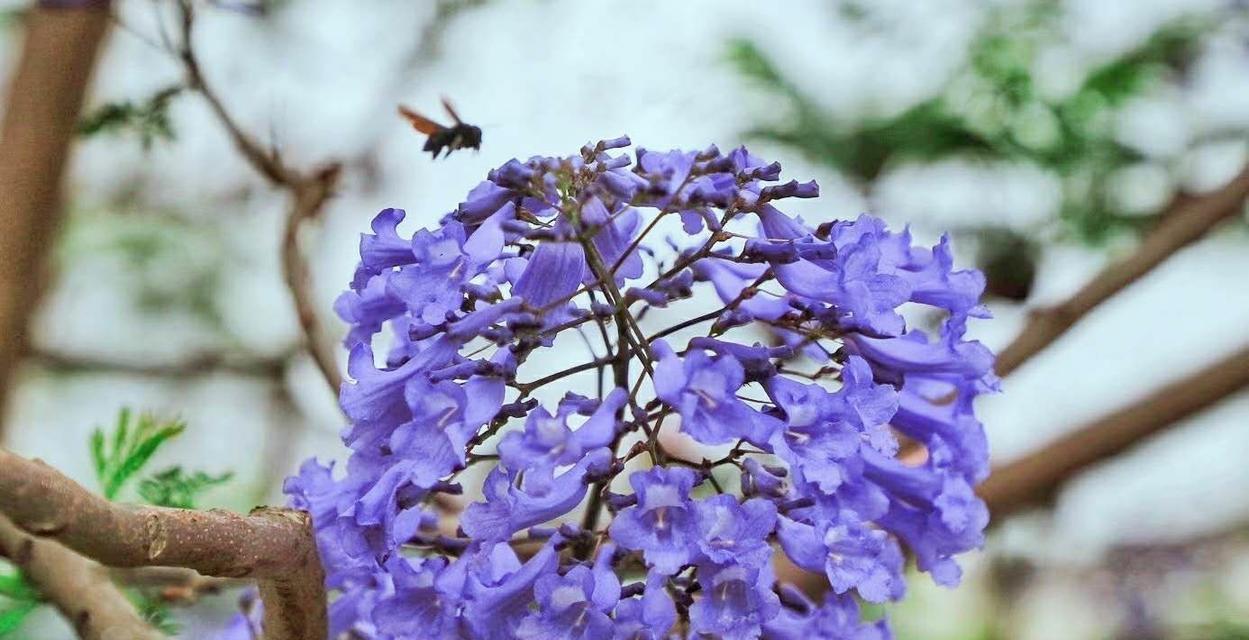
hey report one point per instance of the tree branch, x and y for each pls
(1180, 227)
(1037, 476)
(196, 366)
(76, 586)
(308, 191)
(173, 584)
(309, 196)
(40, 122)
(273, 546)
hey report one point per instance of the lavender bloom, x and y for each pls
(499, 595)
(509, 508)
(547, 442)
(649, 617)
(837, 618)
(382, 249)
(703, 391)
(735, 533)
(664, 524)
(425, 601)
(575, 606)
(850, 554)
(739, 600)
(465, 314)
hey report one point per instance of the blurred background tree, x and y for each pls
(1096, 117)
(996, 110)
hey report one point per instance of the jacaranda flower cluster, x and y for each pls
(807, 414)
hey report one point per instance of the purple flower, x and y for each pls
(913, 352)
(935, 512)
(703, 390)
(509, 508)
(664, 524)
(733, 532)
(817, 442)
(471, 315)
(547, 442)
(499, 595)
(425, 602)
(939, 414)
(367, 309)
(649, 617)
(731, 278)
(552, 275)
(736, 602)
(383, 249)
(844, 272)
(837, 618)
(824, 431)
(377, 399)
(851, 554)
(574, 606)
(617, 230)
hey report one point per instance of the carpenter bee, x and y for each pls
(459, 136)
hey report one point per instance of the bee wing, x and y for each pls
(418, 121)
(446, 104)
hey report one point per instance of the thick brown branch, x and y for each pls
(78, 587)
(40, 122)
(273, 546)
(1180, 227)
(1037, 476)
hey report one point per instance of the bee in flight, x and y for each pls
(459, 136)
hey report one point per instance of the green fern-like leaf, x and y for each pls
(149, 119)
(13, 616)
(132, 445)
(17, 600)
(174, 487)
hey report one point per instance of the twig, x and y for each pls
(76, 586)
(41, 119)
(308, 191)
(1180, 227)
(1037, 476)
(174, 585)
(273, 546)
(197, 366)
(309, 195)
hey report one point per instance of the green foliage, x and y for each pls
(156, 613)
(17, 600)
(175, 488)
(12, 17)
(148, 119)
(926, 131)
(123, 453)
(12, 616)
(15, 587)
(992, 111)
(118, 456)
(170, 265)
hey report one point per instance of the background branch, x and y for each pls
(1188, 221)
(1037, 476)
(308, 192)
(40, 122)
(79, 588)
(174, 584)
(273, 546)
(197, 366)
